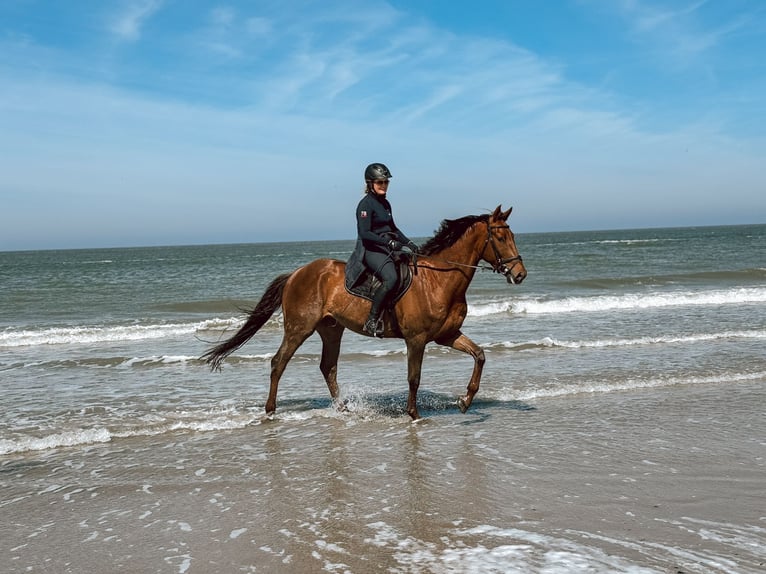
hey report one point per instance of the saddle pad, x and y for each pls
(367, 284)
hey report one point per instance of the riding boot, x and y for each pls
(373, 326)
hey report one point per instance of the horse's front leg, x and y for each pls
(415, 351)
(462, 343)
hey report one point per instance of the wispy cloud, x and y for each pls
(223, 16)
(230, 35)
(649, 18)
(409, 74)
(681, 34)
(375, 62)
(127, 24)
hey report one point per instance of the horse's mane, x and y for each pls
(449, 232)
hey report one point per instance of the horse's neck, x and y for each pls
(466, 251)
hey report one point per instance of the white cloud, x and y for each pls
(223, 16)
(258, 26)
(649, 18)
(127, 25)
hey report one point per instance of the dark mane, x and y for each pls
(449, 232)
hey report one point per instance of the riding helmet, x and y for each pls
(376, 171)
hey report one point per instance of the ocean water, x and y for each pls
(617, 340)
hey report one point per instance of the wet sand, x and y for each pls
(666, 480)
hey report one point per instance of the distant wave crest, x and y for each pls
(83, 334)
(628, 302)
(596, 387)
(549, 342)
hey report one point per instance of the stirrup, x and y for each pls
(373, 327)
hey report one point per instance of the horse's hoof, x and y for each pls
(462, 405)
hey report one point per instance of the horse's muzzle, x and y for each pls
(514, 277)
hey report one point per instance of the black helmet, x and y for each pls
(376, 171)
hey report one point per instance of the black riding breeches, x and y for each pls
(384, 268)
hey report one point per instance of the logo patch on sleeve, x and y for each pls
(362, 214)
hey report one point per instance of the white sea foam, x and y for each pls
(75, 335)
(90, 334)
(629, 301)
(629, 384)
(725, 543)
(157, 360)
(492, 308)
(232, 418)
(660, 340)
(64, 439)
(81, 334)
(203, 421)
(491, 549)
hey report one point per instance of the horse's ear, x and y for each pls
(504, 216)
(496, 213)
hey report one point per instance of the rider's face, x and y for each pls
(380, 186)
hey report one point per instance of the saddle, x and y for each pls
(365, 283)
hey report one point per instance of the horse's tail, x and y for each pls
(270, 302)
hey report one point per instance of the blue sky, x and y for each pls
(153, 122)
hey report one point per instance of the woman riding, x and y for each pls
(380, 239)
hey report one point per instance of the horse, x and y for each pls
(313, 299)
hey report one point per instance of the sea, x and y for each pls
(619, 426)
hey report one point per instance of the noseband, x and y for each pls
(500, 265)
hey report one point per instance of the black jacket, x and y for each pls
(375, 228)
(375, 224)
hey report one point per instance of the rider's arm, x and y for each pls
(403, 239)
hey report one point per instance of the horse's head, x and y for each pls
(500, 248)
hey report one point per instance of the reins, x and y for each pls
(451, 263)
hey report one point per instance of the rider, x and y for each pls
(381, 239)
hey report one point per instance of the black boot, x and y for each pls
(373, 326)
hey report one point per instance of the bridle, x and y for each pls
(500, 265)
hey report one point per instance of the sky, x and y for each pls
(169, 122)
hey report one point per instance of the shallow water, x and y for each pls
(619, 425)
(660, 481)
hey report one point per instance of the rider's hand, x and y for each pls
(394, 245)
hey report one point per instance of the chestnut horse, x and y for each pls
(314, 299)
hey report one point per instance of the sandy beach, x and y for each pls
(664, 481)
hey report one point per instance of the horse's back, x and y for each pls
(322, 268)
(317, 291)
(314, 282)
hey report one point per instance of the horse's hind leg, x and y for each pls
(290, 343)
(331, 333)
(462, 343)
